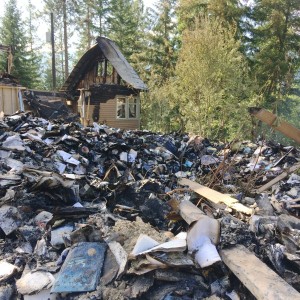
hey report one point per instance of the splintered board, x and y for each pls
(276, 123)
(215, 197)
(278, 178)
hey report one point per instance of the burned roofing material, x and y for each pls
(113, 54)
(117, 59)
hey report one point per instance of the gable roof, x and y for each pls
(113, 54)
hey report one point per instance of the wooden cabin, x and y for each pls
(104, 88)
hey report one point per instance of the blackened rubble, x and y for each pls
(68, 193)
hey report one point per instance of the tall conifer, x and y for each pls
(25, 60)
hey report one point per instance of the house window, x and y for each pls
(132, 108)
(121, 108)
(127, 108)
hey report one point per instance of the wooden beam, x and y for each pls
(215, 197)
(256, 276)
(276, 123)
(278, 178)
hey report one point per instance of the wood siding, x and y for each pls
(9, 100)
(103, 106)
(107, 115)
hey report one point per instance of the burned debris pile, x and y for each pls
(99, 213)
(8, 79)
(48, 105)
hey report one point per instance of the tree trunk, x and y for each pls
(66, 39)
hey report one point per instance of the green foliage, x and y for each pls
(62, 58)
(47, 80)
(159, 112)
(25, 62)
(189, 11)
(163, 42)
(160, 58)
(275, 47)
(124, 25)
(91, 22)
(212, 86)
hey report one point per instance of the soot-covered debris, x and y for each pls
(101, 213)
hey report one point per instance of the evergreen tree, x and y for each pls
(275, 47)
(161, 56)
(124, 24)
(212, 88)
(163, 41)
(64, 14)
(35, 57)
(12, 33)
(100, 14)
(233, 13)
(91, 18)
(189, 11)
(139, 57)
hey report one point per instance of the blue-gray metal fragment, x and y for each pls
(82, 268)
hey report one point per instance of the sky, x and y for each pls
(39, 4)
(44, 27)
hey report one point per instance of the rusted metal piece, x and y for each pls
(276, 123)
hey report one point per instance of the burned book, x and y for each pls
(82, 269)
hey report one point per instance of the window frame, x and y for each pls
(127, 106)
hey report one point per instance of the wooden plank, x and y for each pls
(256, 276)
(215, 197)
(276, 123)
(278, 178)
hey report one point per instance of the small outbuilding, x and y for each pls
(104, 88)
(10, 95)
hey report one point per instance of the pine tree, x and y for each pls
(189, 11)
(12, 33)
(124, 24)
(275, 47)
(100, 14)
(163, 41)
(161, 56)
(137, 56)
(35, 57)
(233, 13)
(212, 87)
(64, 14)
(91, 16)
